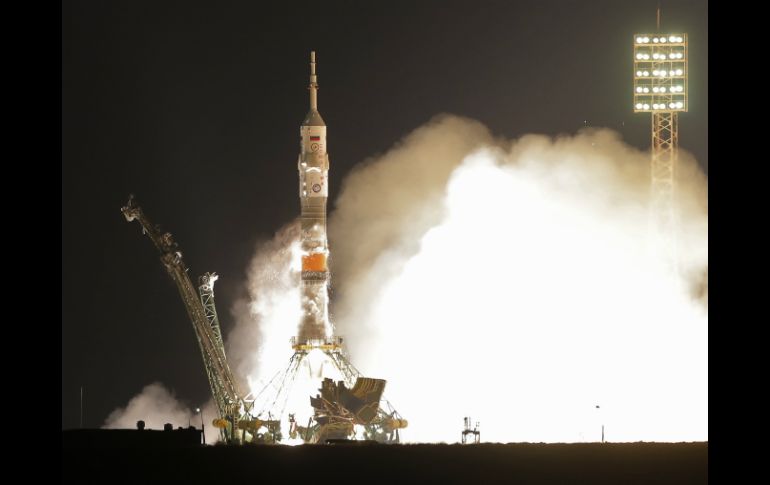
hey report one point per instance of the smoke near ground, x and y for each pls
(156, 406)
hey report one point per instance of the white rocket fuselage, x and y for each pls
(313, 166)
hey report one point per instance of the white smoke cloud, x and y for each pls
(156, 406)
(385, 205)
(259, 343)
(514, 284)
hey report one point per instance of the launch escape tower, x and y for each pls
(339, 407)
(660, 88)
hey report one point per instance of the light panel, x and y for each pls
(660, 72)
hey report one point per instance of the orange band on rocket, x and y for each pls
(314, 262)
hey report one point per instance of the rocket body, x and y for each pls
(313, 166)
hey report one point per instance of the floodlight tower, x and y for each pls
(660, 88)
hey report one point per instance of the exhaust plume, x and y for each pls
(269, 315)
(510, 281)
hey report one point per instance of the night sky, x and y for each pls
(195, 107)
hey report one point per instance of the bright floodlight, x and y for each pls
(665, 56)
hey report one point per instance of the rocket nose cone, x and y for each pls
(313, 118)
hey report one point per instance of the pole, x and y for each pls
(81, 407)
(600, 419)
(203, 428)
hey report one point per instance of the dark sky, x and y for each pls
(195, 107)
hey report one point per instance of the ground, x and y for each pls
(530, 463)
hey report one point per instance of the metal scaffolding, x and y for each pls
(231, 406)
(660, 88)
(383, 427)
(663, 209)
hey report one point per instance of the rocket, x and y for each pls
(313, 166)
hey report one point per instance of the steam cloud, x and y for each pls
(268, 317)
(156, 406)
(508, 280)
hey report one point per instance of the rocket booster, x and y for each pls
(313, 166)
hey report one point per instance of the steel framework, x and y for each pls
(383, 428)
(665, 144)
(231, 406)
(468, 431)
(206, 290)
(660, 88)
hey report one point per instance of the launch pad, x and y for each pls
(351, 407)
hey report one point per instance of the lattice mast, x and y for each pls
(202, 313)
(206, 291)
(660, 88)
